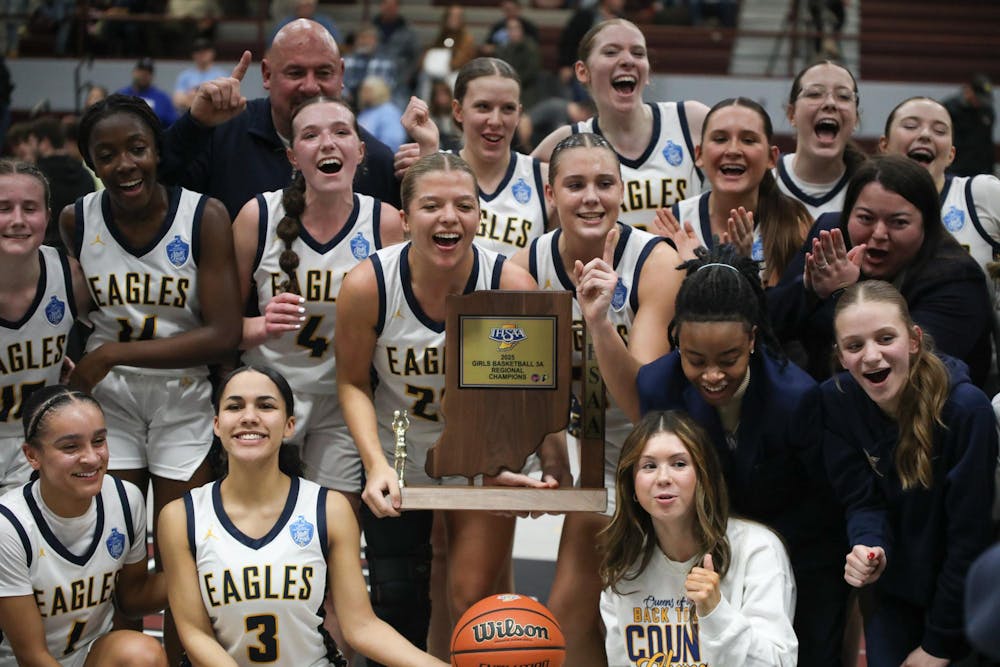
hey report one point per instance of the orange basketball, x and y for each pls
(507, 631)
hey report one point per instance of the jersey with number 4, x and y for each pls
(32, 348)
(142, 293)
(74, 589)
(409, 353)
(264, 596)
(305, 357)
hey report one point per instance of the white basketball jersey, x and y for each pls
(306, 358)
(74, 590)
(264, 596)
(817, 199)
(695, 212)
(546, 266)
(142, 293)
(514, 215)
(962, 216)
(409, 354)
(32, 348)
(665, 173)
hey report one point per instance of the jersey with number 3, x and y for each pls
(32, 348)
(305, 357)
(409, 354)
(264, 596)
(142, 293)
(73, 589)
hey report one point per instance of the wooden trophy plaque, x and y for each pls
(508, 375)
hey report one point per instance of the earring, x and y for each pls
(634, 497)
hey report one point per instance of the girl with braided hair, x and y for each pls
(728, 372)
(911, 447)
(293, 248)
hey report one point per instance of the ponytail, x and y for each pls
(293, 199)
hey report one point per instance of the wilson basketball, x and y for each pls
(507, 631)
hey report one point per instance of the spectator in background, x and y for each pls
(972, 117)
(95, 94)
(71, 128)
(569, 40)
(521, 52)
(364, 61)
(306, 9)
(439, 105)
(549, 115)
(499, 34)
(453, 46)
(454, 34)
(142, 86)
(193, 19)
(399, 42)
(21, 142)
(378, 114)
(204, 69)
(68, 178)
(827, 42)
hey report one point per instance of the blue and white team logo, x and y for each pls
(620, 296)
(757, 250)
(55, 310)
(673, 153)
(360, 247)
(178, 251)
(954, 219)
(522, 191)
(116, 544)
(302, 531)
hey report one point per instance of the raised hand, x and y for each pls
(218, 100)
(702, 586)
(684, 237)
(830, 266)
(596, 281)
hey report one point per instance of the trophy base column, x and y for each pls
(498, 498)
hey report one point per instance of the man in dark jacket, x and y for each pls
(232, 149)
(972, 117)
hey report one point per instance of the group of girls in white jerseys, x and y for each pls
(345, 300)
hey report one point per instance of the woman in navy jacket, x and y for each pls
(890, 229)
(911, 447)
(727, 371)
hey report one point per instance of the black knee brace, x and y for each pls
(399, 571)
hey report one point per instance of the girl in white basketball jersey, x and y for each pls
(390, 315)
(249, 558)
(293, 248)
(823, 111)
(73, 546)
(41, 291)
(745, 205)
(921, 129)
(655, 142)
(487, 108)
(585, 187)
(160, 267)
